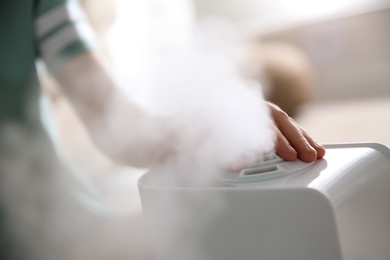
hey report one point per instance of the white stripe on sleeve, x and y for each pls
(77, 32)
(69, 11)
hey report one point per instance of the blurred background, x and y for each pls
(326, 63)
(345, 43)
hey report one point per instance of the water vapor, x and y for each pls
(224, 124)
(222, 116)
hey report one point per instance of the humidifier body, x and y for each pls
(335, 208)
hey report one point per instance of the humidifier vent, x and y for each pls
(261, 170)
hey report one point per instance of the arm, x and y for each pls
(118, 127)
(130, 135)
(125, 132)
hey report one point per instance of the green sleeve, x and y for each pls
(61, 32)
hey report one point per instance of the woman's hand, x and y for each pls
(292, 141)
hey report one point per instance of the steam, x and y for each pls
(48, 211)
(224, 123)
(220, 120)
(220, 116)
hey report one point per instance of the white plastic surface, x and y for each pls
(338, 208)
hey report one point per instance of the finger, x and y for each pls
(298, 141)
(293, 134)
(283, 147)
(319, 148)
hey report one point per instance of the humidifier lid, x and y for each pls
(268, 167)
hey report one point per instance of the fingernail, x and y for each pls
(312, 151)
(310, 148)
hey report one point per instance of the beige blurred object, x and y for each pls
(285, 72)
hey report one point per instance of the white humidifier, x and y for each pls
(335, 208)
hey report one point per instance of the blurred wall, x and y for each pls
(350, 55)
(347, 41)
